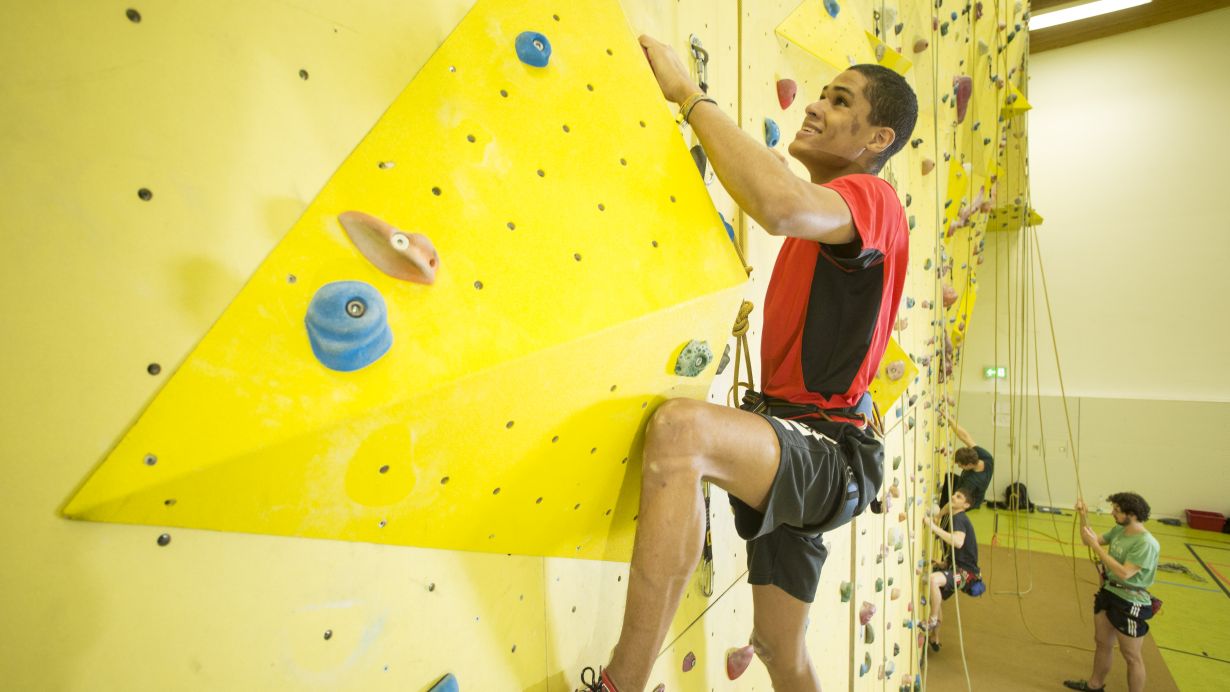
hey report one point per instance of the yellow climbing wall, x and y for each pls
(504, 414)
(233, 130)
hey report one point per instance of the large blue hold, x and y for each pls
(533, 48)
(348, 326)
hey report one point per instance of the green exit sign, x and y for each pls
(994, 372)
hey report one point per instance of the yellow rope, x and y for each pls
(743, 354)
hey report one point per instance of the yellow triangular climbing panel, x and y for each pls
(840, 41)
(578, 251)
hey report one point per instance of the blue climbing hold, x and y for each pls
(348, 326)
(832, 8)
(730, 230)
(772, 133)
(448, 683)
(533, 48)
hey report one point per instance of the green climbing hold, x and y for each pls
(694, 358)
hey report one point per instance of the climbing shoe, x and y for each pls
(1081, 685)
(598, 681)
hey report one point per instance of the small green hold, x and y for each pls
(944, 30)
(847, 590)
(911, 222)
(869, 634)
(896, 463)
(879, 584)
(694, 358)
(909, 199)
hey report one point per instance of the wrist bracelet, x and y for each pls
(685, 110)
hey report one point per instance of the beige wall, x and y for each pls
(1127, 140)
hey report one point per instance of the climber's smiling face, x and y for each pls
(835, 128)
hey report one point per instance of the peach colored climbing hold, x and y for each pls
(950, 295)
(895, 593)
(928, 165)
(901, 323)
(921, 44)
(786, 91)
(401, 255)
(737, 661)
(894, 370)
(866, 612)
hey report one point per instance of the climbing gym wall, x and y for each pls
(352, 318)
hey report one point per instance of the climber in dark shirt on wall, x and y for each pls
(977, 466)
(959, 568)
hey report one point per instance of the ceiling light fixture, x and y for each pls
(1075, 13)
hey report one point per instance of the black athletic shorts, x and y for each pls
(784, 545)
(957, 579)
(1127, 617)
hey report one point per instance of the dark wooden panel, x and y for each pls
(1156, 12)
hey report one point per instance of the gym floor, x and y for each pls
(1190, 631)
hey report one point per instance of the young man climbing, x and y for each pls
(977, 466)
(1127, 556)
(959, 568)
(807, 461)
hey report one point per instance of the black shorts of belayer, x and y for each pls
(819, 462)
(1127, 617)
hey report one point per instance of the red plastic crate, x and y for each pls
(1207, 521)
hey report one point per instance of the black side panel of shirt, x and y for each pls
(842, 312)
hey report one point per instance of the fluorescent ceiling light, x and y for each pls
(1078, 12)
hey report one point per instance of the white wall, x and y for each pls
(1128, 152)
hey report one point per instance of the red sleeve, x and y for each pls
(874, 207)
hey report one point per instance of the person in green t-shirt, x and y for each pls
(1128, 556)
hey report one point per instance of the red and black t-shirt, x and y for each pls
(829, 309)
